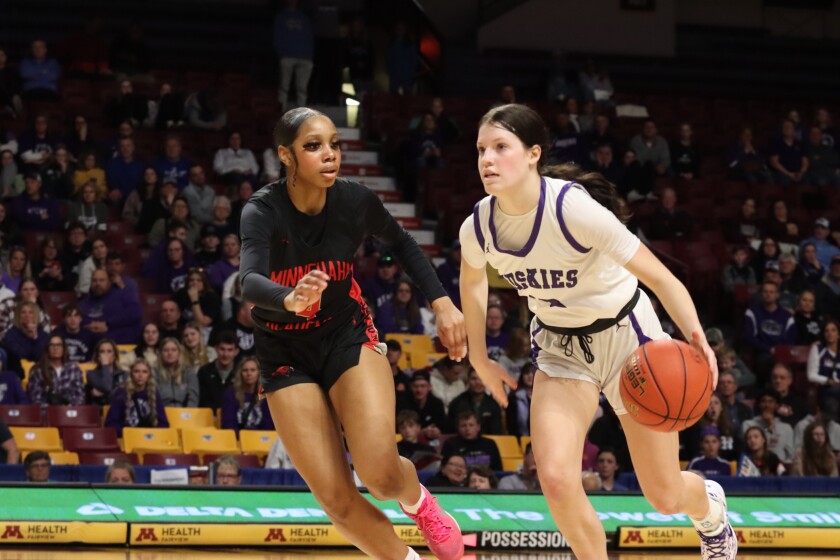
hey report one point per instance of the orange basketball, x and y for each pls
(666, 385)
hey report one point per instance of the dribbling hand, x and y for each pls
(495, 377)
(307, 291)
(698, 342)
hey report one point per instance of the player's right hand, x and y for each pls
(495, 377)
(307, 291)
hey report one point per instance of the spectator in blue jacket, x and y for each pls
(821, 240)
(294, 44)
(124, 172)
(110, 312)
(767, 325)
(39, 74)
(173, 165)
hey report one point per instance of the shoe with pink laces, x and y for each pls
(441, 531)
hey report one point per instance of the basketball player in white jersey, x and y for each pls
(562, 244)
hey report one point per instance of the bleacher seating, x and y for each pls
(90, 440)
(37, 438)
(151, 440)
(73, 416)
(209, 440)
(21, 414)
(190, 417)
(171, 459)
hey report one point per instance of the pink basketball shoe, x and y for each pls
(441, 531)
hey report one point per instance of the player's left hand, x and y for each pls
(451, 328)
(698, 341)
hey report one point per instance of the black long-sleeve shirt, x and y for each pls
(280, 245)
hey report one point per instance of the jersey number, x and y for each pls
(310, 311)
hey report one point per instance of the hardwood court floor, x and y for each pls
(56, 553)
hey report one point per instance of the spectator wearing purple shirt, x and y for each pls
(173, 165)
(79, 341)
(32, 210)
(380, 288)
(115, 267)
(55, 380)
(401, 313)
(787, 158)
(11, 390)
(124, 172)
(497, 339)
(138, 404)
(173, 273)
(110, 312)
(242, 408)
(26, 340)
(228, 264)
(39, 74)
(767, 325)
(710, 463)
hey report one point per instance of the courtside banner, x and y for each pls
(62, 532)
(748, 537)
(504, 521)
(215, 534)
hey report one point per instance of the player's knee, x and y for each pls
(339, 506)
(665, 502)
(558, 483)
(383, 484)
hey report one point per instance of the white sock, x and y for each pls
(412, 555)
(712, 524)
(414, 508)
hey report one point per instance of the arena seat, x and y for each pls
(107, 458)
(21, 414)
(34, 439)
(523, 443)
(412, 344)
(209, 440)
(85, 416)
(151, 440)
(171, 459)
(90, 439)
(256, 442)
(189, 417)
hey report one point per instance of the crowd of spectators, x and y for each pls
(199, 349)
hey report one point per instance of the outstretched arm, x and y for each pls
(676, 300)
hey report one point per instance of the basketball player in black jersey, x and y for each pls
(323, 369)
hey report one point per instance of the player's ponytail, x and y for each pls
(595, 184)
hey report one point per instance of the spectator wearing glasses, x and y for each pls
(400, 314)
(55, 379)
(228, 471)
(37, 467)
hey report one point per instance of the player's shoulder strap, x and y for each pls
(481, 211)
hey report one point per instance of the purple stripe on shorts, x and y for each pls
(535, 348)
(566, 233)
(643, 338)
(534, 232)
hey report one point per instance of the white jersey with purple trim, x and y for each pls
(568, 259)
